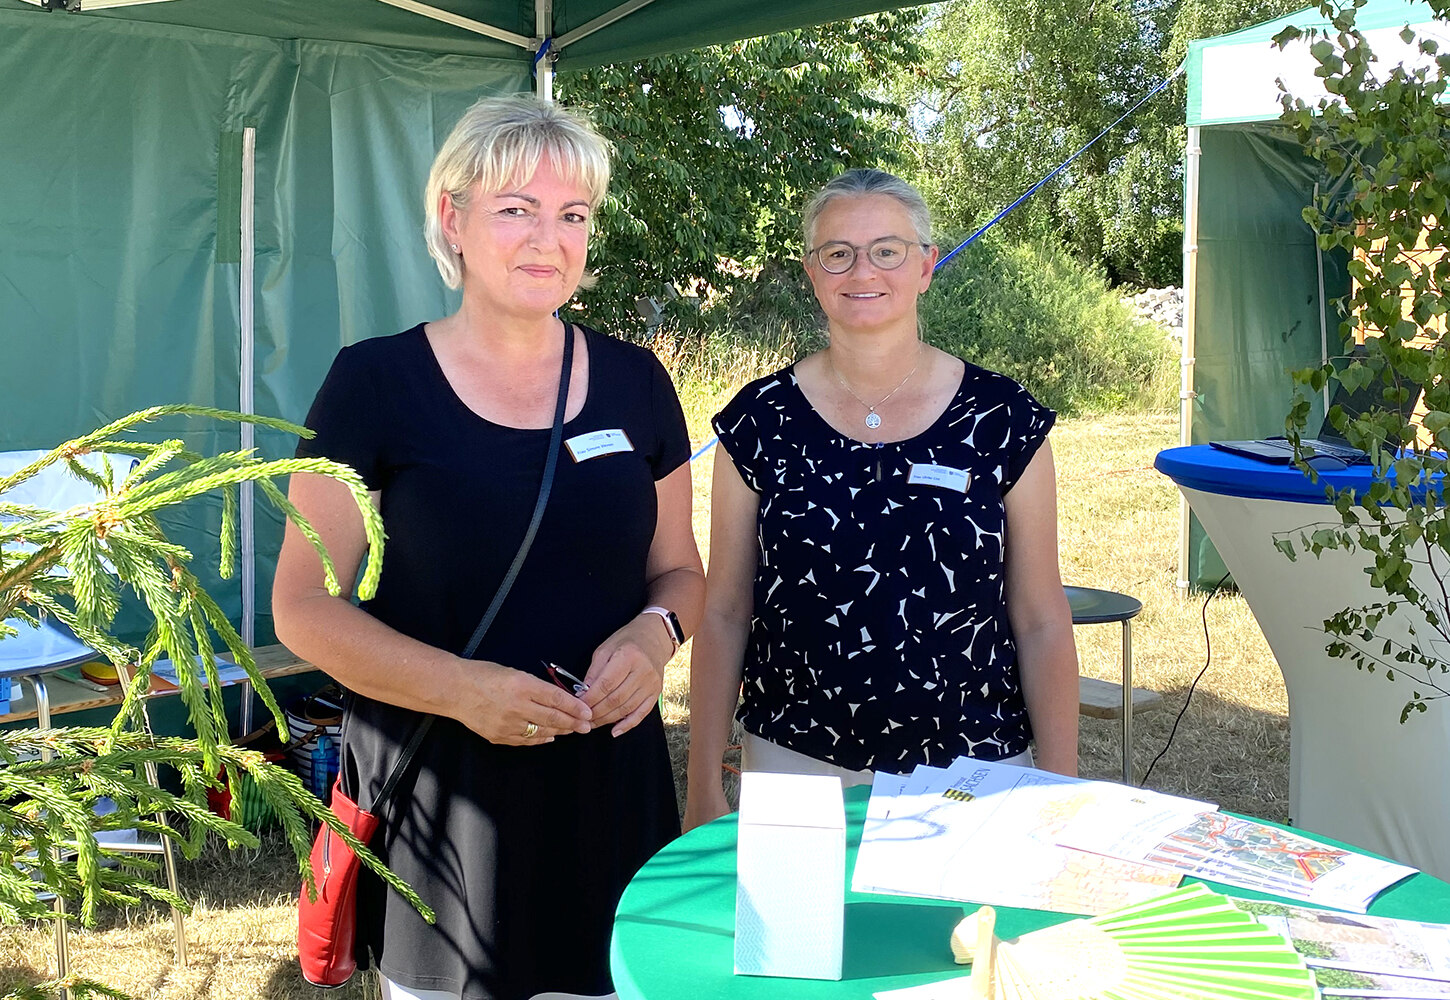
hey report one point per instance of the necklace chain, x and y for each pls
(873, 419)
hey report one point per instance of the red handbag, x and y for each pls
(327, 926)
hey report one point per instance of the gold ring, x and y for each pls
(531, 730)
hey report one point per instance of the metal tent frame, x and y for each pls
(546, 49)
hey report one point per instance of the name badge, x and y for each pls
(598, 443)
(943, 476)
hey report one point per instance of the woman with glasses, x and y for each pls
(544, 782)
(883, 540)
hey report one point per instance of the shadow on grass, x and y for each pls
(286, 981)
(1224, 752)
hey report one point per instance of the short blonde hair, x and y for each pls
(499, 142)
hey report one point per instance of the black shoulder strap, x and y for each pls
(551, 463)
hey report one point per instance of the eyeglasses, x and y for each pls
(559, 675)
(888, 253)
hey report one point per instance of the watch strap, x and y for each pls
(672, 624)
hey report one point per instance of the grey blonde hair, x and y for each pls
(864, 181)
(500, 141)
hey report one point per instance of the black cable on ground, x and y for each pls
(1207, 659)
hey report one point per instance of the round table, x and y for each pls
(674, 930)
(33, 652)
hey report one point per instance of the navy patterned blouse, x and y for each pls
(879, 637)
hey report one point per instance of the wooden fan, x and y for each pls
(1189, 944)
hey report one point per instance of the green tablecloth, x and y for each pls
(674, 932)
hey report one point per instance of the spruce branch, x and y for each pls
(73, 566)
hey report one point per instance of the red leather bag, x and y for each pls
(327, 926)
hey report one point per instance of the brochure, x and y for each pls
(1235, 851)
(1355, 955)
(986, 832)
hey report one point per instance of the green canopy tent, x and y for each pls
(201, 200)
(583, 32)
(1258, 292)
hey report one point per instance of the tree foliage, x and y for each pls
(1197, 19)
(1012, 88)
(717, 148)
(1029, 310)
(72, 565)
(1385, 128)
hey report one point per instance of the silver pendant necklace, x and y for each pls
(873, 419)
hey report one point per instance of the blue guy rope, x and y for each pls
(705, 447)
(543, 51)
(1060, 167)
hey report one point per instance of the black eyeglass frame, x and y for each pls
(856, 249)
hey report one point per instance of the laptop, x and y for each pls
(1329, 442)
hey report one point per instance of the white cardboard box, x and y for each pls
(791, 885)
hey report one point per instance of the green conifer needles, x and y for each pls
(74, 565)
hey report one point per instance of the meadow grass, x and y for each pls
(1118, 529)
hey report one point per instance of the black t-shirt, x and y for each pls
(879, 637)
(522, 851)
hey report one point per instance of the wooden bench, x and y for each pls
(1099, 699)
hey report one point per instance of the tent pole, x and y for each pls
(458, 21)
(247, 404)
(1186, 395)
(1323, 324)
(543, 65)
(603, 21)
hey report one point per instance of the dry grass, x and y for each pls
(1119, 531)
(1119, 528)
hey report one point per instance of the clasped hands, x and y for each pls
(623, 683)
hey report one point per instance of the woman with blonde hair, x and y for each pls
(883, 538)
(544, 782)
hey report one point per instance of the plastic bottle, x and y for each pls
(323, 763)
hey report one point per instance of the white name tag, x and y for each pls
(940, 475)
(596, 443)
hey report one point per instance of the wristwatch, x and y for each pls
(672, 624)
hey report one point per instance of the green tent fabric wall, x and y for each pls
(1252, 275)
(121, 141)
(119, 276)
(1258, 308)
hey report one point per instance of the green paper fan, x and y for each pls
(1190, 944)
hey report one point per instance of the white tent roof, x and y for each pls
(1234, 78)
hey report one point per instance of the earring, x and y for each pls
(453, 247)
